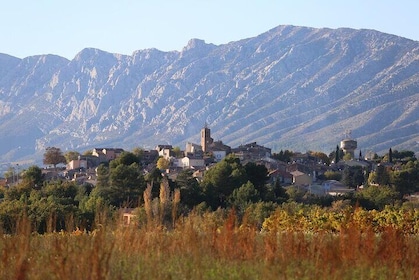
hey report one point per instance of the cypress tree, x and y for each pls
(337, 154)
(390, 155)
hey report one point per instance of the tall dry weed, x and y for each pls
(147, 203)
(164, 191)
(23, 244)
(175, 205)
(207, 245)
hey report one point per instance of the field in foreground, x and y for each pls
(208, 247)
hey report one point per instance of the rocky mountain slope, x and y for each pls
(292, 88)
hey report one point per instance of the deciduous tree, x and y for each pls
(322, 156)
(177, 151)
(33, 175)
(284, 156)
(163, 163)
(71, 155)
(54, 156)
(138, 152)
(377, 197)
(332, 175)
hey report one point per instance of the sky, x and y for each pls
(64, 28)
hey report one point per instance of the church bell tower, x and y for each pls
(206, 139)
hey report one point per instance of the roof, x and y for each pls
(280, 172)
(333, 184)
(297, 173)
(118, 150)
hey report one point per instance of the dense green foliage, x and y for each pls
(71, 155)
(50, 208)
(58, 204)
(353, 176)
(33, 176)
(284, 156)
(122, 183)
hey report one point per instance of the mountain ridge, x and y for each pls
(291, 87)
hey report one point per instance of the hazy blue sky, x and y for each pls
(32, 27)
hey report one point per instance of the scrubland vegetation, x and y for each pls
(219, 245)
(231, 225)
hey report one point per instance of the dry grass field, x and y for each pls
(208, 246)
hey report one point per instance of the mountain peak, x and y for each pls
(195, 44)
(88, 53)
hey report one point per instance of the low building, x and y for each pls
(251, 152)
(272, 164)
(192, 148)
(77, 164)
(149, 156)
(208, 145)
(219, 155)
(281, 176)
(218, 148)
(106, 154)
(191, 162)
(301, 179)
(302, 158)
(165, 151)
(359, 163)
(297, 166)
(335, 188)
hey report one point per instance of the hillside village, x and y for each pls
(303, 170)
(205, 177)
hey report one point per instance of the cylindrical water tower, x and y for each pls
(349, 146)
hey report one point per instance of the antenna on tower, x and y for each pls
(348, 134)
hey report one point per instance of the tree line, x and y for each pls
(55, 204)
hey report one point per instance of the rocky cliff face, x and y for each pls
(292, 88)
